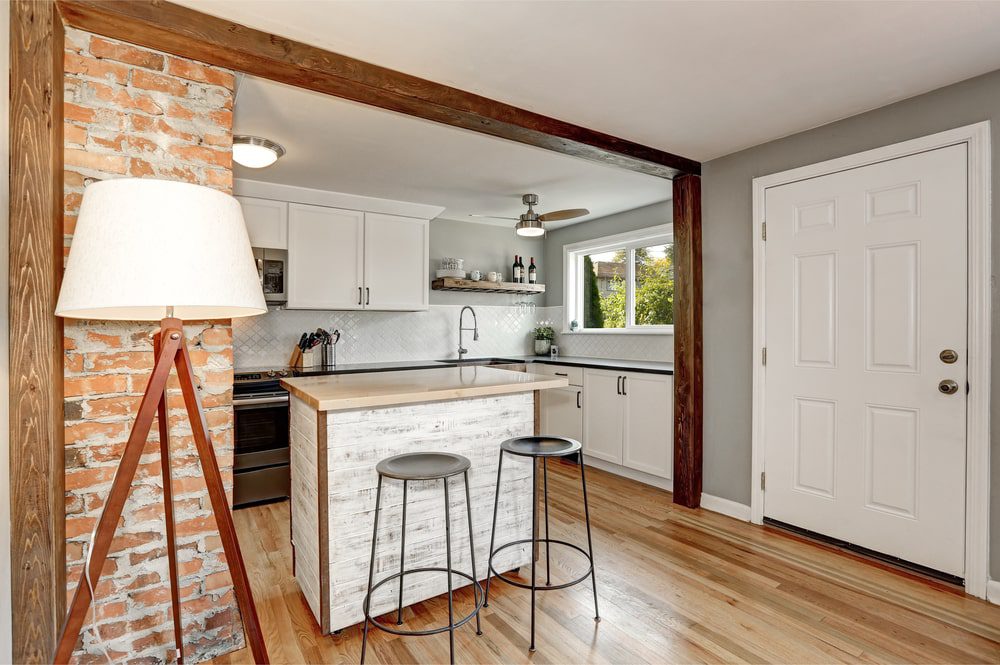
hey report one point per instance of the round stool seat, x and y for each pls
(423, 466)
(541, 446)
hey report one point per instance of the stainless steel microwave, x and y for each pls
(272, 268)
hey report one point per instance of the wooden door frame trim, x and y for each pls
(38, 521)
(164, 26)
(977, 138)
(37, 501)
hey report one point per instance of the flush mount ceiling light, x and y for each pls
(255, 152)
(529, 225)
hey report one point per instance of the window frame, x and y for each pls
(573, 269)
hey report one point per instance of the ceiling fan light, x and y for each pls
(255, 152)
(530, 228)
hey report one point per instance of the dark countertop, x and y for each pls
(575, 361)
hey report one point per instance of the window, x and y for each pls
(622, 283)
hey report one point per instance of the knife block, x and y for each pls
(305, 359)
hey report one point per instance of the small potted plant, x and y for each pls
(543, 333)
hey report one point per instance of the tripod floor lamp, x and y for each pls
(153, 250)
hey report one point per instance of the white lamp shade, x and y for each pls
(142, 246)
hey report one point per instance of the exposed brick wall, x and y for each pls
(135, 112)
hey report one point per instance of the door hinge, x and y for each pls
(762, 481)
(763, 230)
(763, 356)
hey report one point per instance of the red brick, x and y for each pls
(95, 161)
(78, 526)
(133, 55)
(74, 134)
(76, 63)
(125, 360)
(125, 98)
(124, 405)
(195, 71)
(140, 168)
(73, 362)
(77, 112)
(219, 580)
(202, 155)
(93, 431)
(88, 385)
(72, 179)
(112, 341)
(114, 142)
(158, 82)
(81, 478)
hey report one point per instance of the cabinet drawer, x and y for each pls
(573, 374)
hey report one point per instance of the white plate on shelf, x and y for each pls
(460, 274)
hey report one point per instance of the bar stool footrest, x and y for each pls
(540, 587)
(477, 591)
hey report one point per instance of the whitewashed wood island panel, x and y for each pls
(332, 538)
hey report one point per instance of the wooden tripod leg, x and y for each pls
(168, 515)
(120, 487)
(220, 506)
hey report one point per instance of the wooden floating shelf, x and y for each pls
(456, 284)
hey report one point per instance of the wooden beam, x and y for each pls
(687, 341)
(38, 560)
(189, 33)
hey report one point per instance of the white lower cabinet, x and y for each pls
(628, 420)
(562, 412)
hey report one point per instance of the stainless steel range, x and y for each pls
(260, 465)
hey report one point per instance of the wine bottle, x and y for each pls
(532, 272)
(516, 271)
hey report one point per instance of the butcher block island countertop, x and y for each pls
(353, 391)
(341, 426)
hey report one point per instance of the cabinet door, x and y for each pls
(603, 416)
(649, 431)
(267, 222)
(562, 412)
(325, 248)
(396, 262)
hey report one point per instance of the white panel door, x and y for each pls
(562, 412)
(604, 416)
(267, 222)
(865, 287)
(649, 431)
(397, 258)
(325, 251)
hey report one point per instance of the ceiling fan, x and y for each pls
(530, 223)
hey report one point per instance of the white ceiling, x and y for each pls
(700, 79)
(342, 146)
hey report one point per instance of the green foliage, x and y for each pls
(544, 332)
(654, 293)
(593, 317)
(613, 305)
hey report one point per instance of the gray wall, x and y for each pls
(484, 247)
(728, 264)
(623, 222)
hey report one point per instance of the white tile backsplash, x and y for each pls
(268, 340)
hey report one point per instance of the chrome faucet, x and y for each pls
(475, 330)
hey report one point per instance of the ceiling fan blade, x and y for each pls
(559, 215)
(494, 217)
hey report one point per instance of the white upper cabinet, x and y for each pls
(325, 258)
(604, 416)
(649, 432)
(267, 222)
(396, 256)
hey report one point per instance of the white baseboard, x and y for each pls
(632, 474)
(993, 591)
(717, 504)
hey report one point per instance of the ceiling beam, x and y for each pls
(168, 27)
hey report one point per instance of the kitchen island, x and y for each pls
(341, 426)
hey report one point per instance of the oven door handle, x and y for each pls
(253, 401)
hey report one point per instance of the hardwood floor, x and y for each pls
(675, 585)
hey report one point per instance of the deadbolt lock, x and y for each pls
(948, 356)
(948, 387)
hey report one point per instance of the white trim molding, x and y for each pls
(734, 509)
(993, 591)
(977, 138)
(319, 197)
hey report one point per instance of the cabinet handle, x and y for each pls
(359, 295)
(624, 386)
(368, 296)
(618, 386)
(561, 374)
(578, 400)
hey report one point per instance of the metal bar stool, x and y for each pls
(423, 466)
(542, 447)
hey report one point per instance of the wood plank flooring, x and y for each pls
(675, 586)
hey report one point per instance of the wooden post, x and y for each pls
(38, 551)
(687, 341)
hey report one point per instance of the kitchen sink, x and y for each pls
(474, 361)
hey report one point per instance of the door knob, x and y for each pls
(948, 356)
(948, 387)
